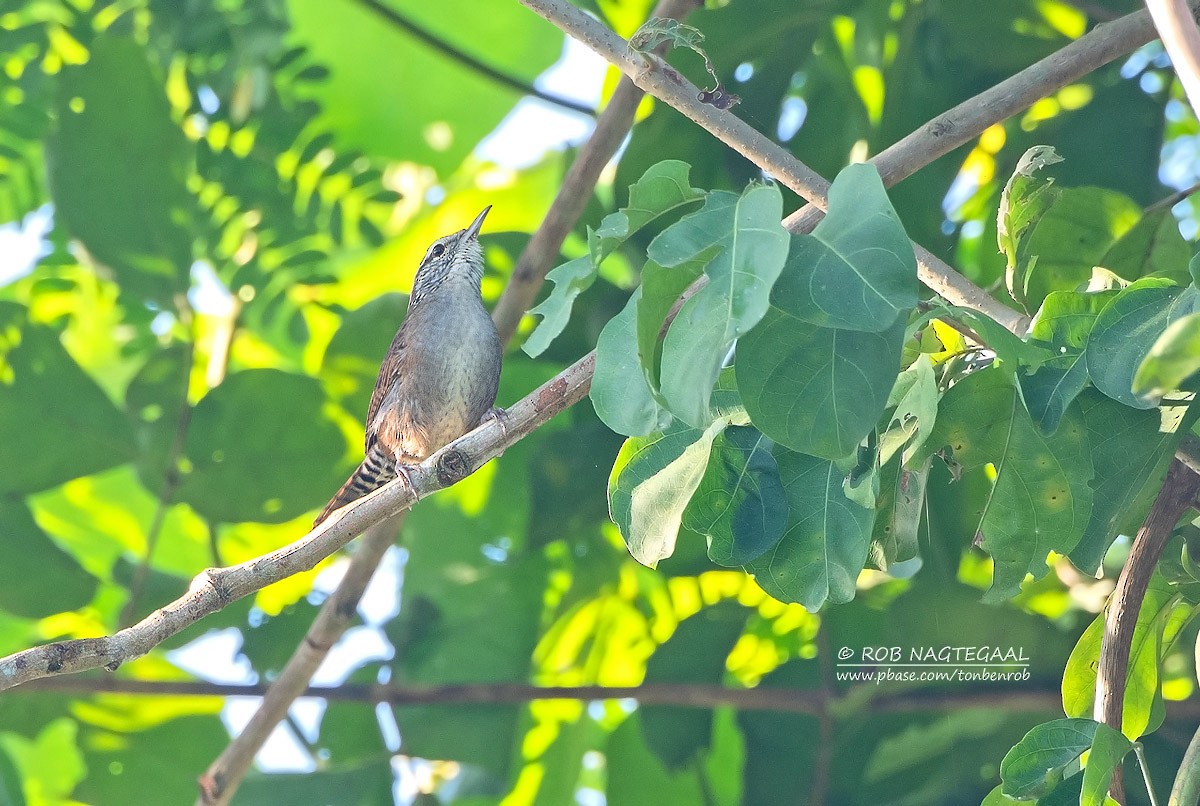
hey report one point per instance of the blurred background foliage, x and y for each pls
(212, 212)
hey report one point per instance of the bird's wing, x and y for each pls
(389, 373)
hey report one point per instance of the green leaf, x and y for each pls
(1173, 359)
(1153, 246)
(1156, 618)
(753, 248)
(55, 422)
(1041, 496)
(740, 505)
(814, 389)
(1036, 764)
(250, 461)
(695, 653)
(1108, 748)
(51, 765)
(663, 188)
(661, 288)
(1024, 201)
(437, 108)
(1130, 452)
(915, 397)
(570, 280)
(37, 577)
(857, 269)
(1127, 329)
(118, 167)
(825, 546)
(901, 502)
(1063, 324)
(620, 392)
(652, 481)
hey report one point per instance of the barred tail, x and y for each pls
(376, 470)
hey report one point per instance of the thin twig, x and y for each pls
(215, 588)
(1181, 38)
(969, 119)
(400, 21)
(225, 774)
(1139, 752)
(544, 246)
(1178, 493)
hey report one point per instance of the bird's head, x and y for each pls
(457, 255)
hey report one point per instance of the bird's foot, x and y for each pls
(402, 472)
(499, 415)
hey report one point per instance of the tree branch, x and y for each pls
(959, 125)
(400, 21)
(224, 775)
(544, 246)
(1180, 37)
(1178, 493)
(663, 82)
(215, 588)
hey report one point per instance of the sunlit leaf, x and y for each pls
(620, 393)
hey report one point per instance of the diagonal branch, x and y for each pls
(662, 81)
(961, 124)
(540, 253)
(224, 775)
(215, 588)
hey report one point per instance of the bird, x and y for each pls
(440, 376)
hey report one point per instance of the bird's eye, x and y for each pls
(438, 250)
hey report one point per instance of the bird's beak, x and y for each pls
(476, 225)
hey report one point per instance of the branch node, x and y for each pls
(452, 467)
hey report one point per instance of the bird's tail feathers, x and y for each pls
(376, 470)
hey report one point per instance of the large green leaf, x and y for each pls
(1158, 621)
(740, 505)
(914, 398)
(825, 546)
(1130, 452)
(1063, 324)
(1127, 329)
(1036, 765)
(251, 460)
(1173, 358)
(118, 166)
(391, 94)
(663, 188)
(753, 247)
(815, 389)
(1154, 246)
(661, 288)
(651, 484)
(37, 577)
(1041, 496)
(620, 392)
(857, 269)
(55, 422)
